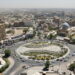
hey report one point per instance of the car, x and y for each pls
(23, 60)
(52, 62)
(73, 54)
(60, 59)
(20, 58)
(24, 67)
(65, 60)
(23, 74)
(57, 60)
(52, 70)
(45, 69)
(67, 57)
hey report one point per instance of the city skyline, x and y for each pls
(37, 4)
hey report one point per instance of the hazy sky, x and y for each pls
(37, 3)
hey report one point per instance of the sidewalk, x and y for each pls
(11, 60)
(17, 70)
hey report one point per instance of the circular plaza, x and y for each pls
(42, 50)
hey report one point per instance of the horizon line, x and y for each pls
(35, 8)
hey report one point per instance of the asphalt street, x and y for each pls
(20, 61)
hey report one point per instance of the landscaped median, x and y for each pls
(5, 66)
(44, 55)
(11, 64)
(5, 62)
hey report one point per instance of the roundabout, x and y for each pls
(42, 50)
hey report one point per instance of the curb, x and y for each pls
(10, 66)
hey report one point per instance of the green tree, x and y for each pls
(7, 53)
(46, 68)
(39, 34)
(72, 67)
(47, 64)
(25, 30)
(50, 36)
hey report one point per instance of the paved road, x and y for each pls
(19, 61)
(13, 55)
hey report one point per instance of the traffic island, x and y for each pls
(43, 50)
(4, 64)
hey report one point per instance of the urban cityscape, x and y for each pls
(37, 40)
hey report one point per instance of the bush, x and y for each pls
(25, 30)
(51, 36)
(72, 66)
(7, 53)
(4, 67)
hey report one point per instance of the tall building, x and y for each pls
(2, 31)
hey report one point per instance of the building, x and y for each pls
(63, 29)
(30, 33)
(71, 30)
(64, 26)
(2, 32)
(71, 34)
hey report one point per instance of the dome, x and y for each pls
(65, 26)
